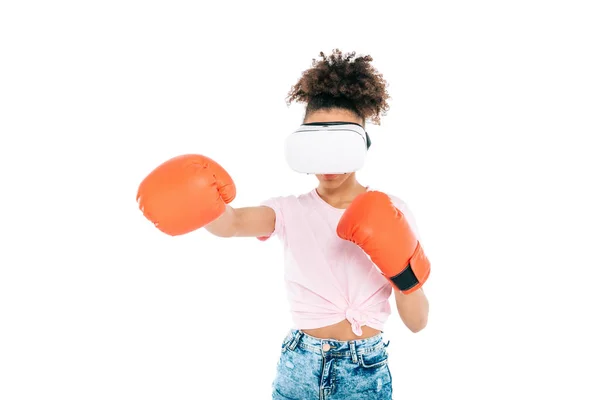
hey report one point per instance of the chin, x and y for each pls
(332, 180)
(330, 185)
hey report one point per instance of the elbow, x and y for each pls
(413, 310)
(415, 319)
(417, 326)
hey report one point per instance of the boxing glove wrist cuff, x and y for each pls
(405, 280)
(414, 275)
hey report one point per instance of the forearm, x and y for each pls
(224, 225)
(413, 309)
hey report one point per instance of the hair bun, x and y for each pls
(342, 81)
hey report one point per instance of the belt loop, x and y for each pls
(294, 342)
(353, 352)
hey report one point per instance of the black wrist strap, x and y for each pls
(406, 279)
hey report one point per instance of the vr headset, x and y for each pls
(327, 148)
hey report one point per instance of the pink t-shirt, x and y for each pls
(328, 279)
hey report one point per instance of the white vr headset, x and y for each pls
(327, 148)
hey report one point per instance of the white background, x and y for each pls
(489, 141)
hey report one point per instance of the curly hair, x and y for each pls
(342, 81)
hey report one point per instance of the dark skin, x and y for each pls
(339, 191)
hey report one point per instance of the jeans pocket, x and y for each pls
(374, 359)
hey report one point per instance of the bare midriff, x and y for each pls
(341, 331)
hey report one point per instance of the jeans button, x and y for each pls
(326, 347)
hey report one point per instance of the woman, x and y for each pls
(339, 300)
(338, 88)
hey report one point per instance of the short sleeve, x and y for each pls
(276, 204)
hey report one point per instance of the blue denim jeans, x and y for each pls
(323, 369)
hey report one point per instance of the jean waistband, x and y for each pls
(334, 348)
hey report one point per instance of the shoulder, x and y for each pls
(288, 209)
(286, 201)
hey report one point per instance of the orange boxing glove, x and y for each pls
(185, 193)
(374, 224)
